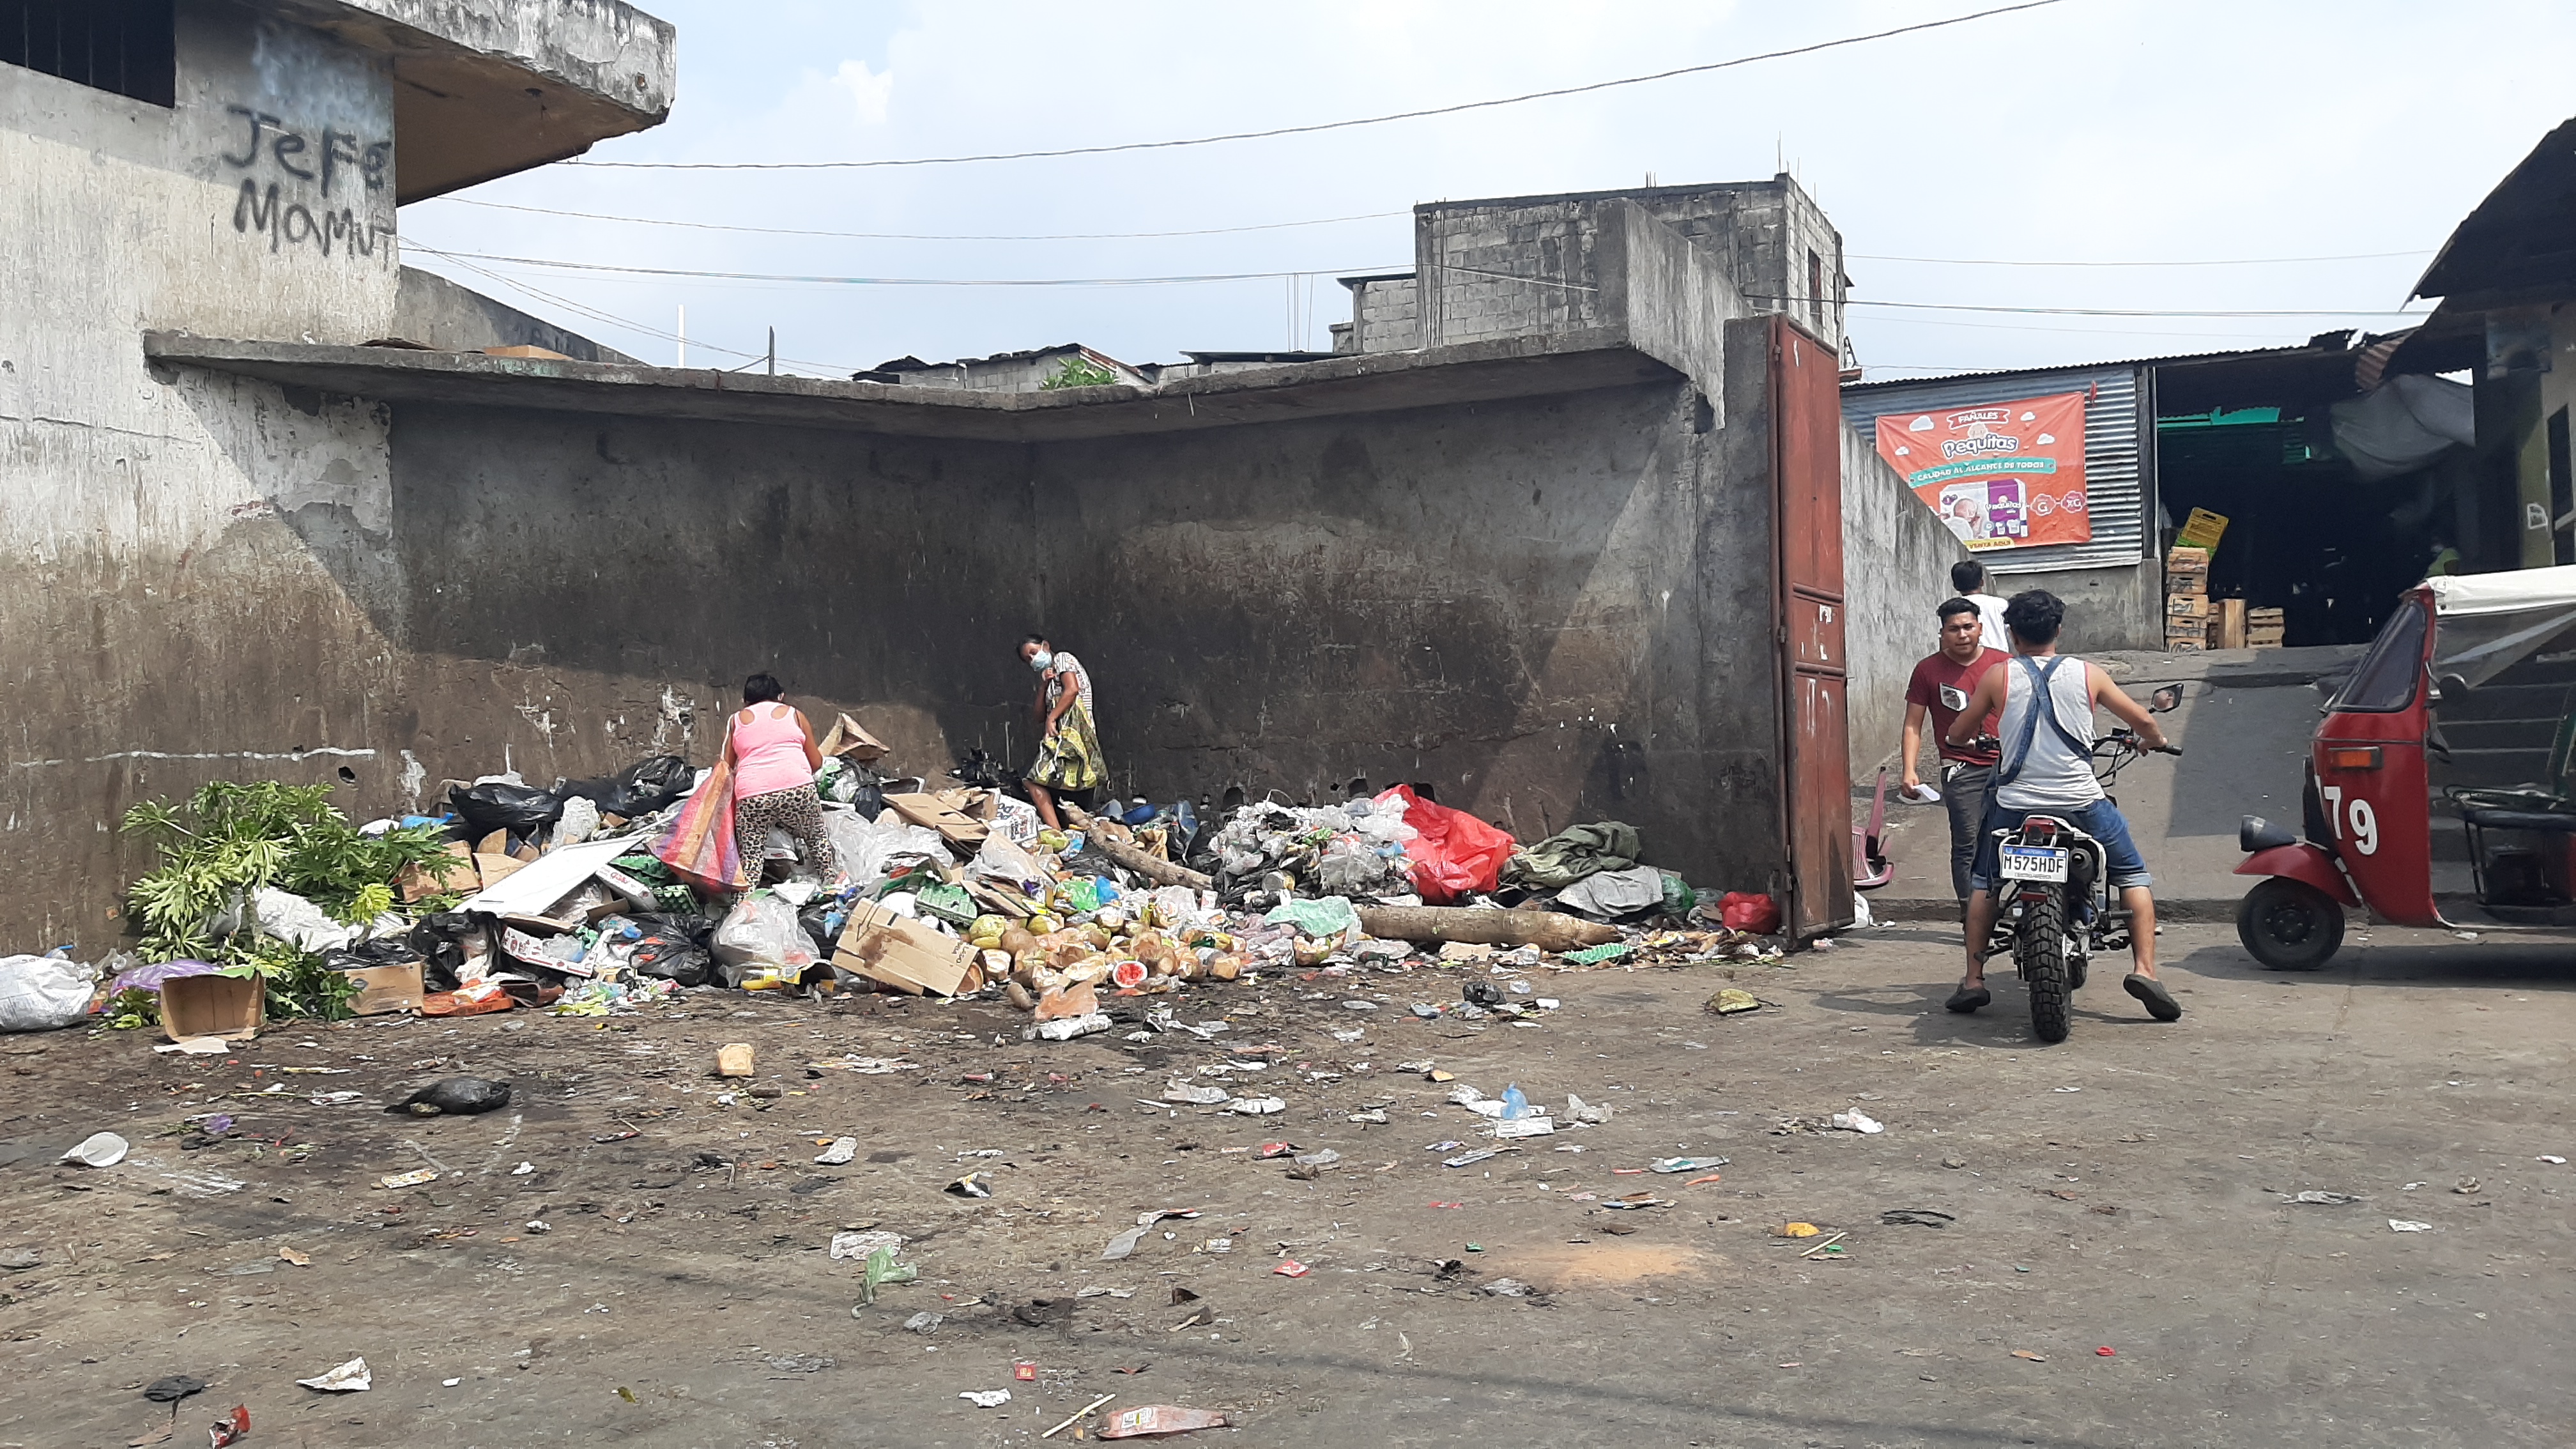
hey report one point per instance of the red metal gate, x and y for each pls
(1806, 458)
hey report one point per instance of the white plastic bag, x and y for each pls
(290, 917)
(763, 931)
(41, 993)
(866, 849)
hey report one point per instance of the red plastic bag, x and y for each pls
(1456, 853)
(1745, 911)
(699, 846)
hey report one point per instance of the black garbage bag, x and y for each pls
(819, 918)
(439, 941)
(673, 948)
(455, 1096)
(638, 790)
(515, 808)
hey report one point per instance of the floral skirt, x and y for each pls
(1069, 759)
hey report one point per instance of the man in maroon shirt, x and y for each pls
(1941, 686)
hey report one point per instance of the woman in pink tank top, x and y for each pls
(774, 758)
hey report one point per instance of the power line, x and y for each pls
(1741, 60)
(851, 281)
(2231, 262)
(924, 236)
(907, 281)
(2107, 311)
(596, 315)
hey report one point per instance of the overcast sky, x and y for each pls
(2088, 131)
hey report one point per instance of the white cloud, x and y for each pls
(869, 90)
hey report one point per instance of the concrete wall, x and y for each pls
(190, 555)
(1386, 315)
(1896, 570)
(430, 309)
(1531, 264)
(1510, 601)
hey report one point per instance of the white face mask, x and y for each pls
(1041, 661)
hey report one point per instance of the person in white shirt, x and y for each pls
(1969, 577)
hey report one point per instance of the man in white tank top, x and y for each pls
(2046, 702)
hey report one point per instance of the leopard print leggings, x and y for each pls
(799, 812)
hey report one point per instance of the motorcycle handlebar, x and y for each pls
(2168, 749)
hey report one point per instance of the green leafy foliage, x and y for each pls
(133, 1007)
(1078, 371)
(230, 840)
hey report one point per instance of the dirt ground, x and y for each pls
(2123, 1191)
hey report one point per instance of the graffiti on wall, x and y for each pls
(302, 190)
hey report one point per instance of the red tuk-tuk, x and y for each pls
(2368, 832)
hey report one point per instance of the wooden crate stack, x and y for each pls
(2187, 604)
(2262, 628)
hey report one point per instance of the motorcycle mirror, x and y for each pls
(2167, 698)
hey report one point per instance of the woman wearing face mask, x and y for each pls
(1068, 743)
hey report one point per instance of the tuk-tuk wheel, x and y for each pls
(2289, 925)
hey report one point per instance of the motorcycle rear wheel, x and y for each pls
(2040, 952)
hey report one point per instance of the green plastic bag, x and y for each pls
(1679, 898)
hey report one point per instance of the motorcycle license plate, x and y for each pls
(2033, 862)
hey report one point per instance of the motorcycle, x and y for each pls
(2054, 905)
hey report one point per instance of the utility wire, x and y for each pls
(1325, 271)
(1328, 221)
(2098, 311)
(908, 281)
(2230, 262)
(1740, 60)
(923, 236)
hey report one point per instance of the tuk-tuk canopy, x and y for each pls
(2491, 622)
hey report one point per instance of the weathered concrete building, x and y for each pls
(1574, 551)
(197, 557)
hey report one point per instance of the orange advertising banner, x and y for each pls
(2002, 474)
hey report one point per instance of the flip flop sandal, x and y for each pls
(2160, 1002)
(1967, 999)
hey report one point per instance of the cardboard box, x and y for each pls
(384, 990)
(852, 743)
(903, 953)
(2227, 625)
(230, 1007)
(453, 871)
(2186, 606)
(2187, 560)
(953, 825)
(494, 869)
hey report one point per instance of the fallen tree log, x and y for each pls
(1547, 930)
(1122, 850)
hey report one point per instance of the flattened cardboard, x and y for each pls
(847, 740)
(230, 1007)
(952, 825)
(494, 869)
(453, 871)
(903, 953)
(384, 990)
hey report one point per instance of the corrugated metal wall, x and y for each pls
(2119, 452)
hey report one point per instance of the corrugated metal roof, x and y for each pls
(2118, 450)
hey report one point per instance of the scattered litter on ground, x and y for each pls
(348, 1378)
(1916, 1217)
(2325, 1199)
(99, 1149)
(1155, 1419)
(986, 1398)
(2404, 1225)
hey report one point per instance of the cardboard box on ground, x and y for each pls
(903, 953)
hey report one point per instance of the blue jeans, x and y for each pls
(2101, 820)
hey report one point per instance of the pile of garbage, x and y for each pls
(579, 899)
